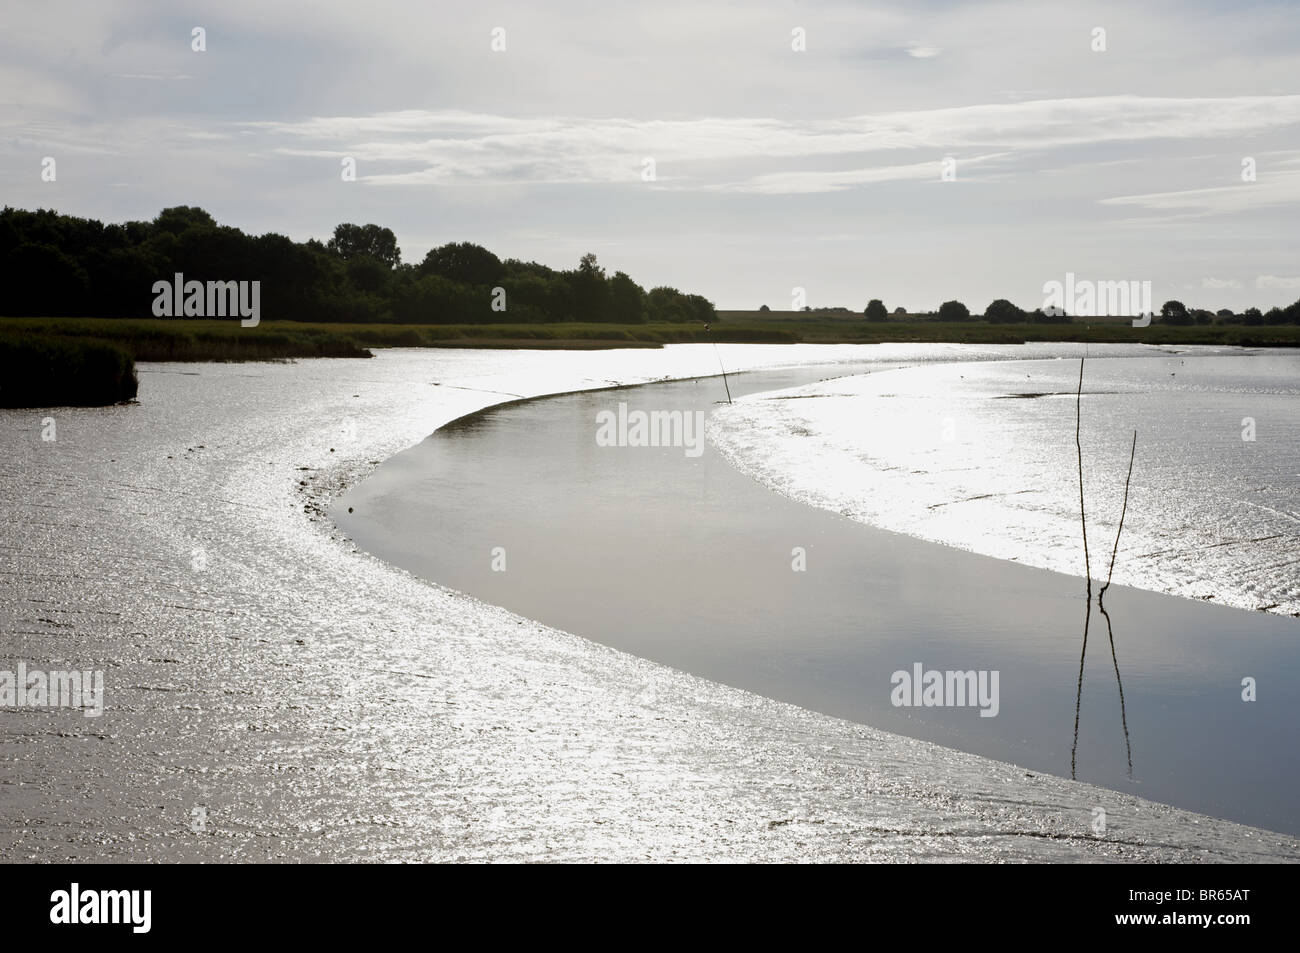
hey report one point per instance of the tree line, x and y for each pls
(1172, 312)
(77, 267)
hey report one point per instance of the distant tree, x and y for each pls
(433, 299)
(76, 266)
(876, 310)
(1056, 316)
(591, 299)
(667, 304)
(1175, 312)
(701, 308)
(379, 243)
(368, 274)
(52, 283)
(181, 218)
(1252, 316)
(900, 312)
(764, 308)
(953, 311)
(626, 299)
(1003, 311)
(464, 262)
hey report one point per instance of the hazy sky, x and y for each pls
(775, 168)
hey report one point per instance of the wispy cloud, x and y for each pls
(447, 147)
(1279, 189)
(1274, 281)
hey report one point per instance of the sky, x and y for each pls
(795, 145)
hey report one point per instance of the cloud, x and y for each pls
(1274, 281)
(922, 51)
(797, 183)
(447, 147)
(1220, 283)
(1280, 189)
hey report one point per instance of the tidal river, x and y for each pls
(678, 557)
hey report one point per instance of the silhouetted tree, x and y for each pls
(465, 262)
(379, 243)
(591, 299)
(1175, 312)
(626, 299)
(875, 310)
(181, 218)
(953, 311)
(1003, 311)
(71, 266)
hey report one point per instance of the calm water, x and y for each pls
(982, 456)
(689, 562)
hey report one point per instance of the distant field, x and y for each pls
(815, 328)
(82, 361)
(176, 339)
(171, 339)
(793, 318)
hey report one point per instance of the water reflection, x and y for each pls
(687, 561)
(1119, 682)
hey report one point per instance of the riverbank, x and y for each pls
(983, 458)
(72, 380)
(273, 694)
(43, 371)
(193, 339)
(674, 555)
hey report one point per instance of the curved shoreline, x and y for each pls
(758, 451)
(322, 704)
(397, 509)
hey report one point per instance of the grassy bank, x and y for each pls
(49, 361)
(38, 371)
(164, 339)
(980, 332)
(168, 339)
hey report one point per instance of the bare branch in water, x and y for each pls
(1123, 715)
(724, 371)
(1102, 595)
(1078, 696)
(1087, 567)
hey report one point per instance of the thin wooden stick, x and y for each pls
(1078, 694)
(724, 371)
(1132, 452)
(1087, 566)
(1123, 715)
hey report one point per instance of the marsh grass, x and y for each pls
(44, 371)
